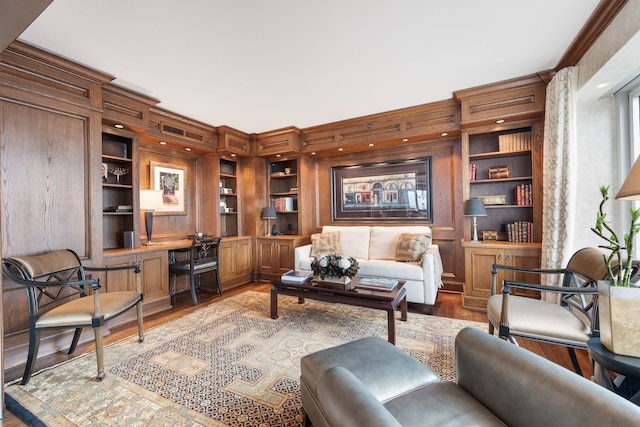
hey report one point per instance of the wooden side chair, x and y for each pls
(569, 323)
(60, 296)
(201, 257)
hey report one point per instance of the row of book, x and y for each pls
(524, 195)
(515, 141)
(520, 231)
(283, 204)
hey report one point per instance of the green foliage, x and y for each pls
(334, 265)
(621, 252)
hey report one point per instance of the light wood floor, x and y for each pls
(448, 305)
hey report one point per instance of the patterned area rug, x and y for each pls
(227, 364)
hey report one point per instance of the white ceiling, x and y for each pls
(259, 65)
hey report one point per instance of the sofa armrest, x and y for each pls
(432, 265)
(300, 253)
(514, 384)
(346, 402)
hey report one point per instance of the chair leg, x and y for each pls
(74, 341)
(574, 360)
(218, 282)
(99, 353)
(491, 328)
(34, 344)
(194, 294)
(140, 322)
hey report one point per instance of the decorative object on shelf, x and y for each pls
(334, 268)
(619, 297)
(150, 200)
(489, 235)
(269, 213)
(496, 172)
(397, 190)
(172, 181)
(475, 208)
(105, 172)
(497, 199)
(118, 171)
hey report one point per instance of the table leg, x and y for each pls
(274, 303)
(403, 309)
(391, 325)
(300, 300)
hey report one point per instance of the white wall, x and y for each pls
(610, 63)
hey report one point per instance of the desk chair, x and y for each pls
(201, 257)
(59, 298)
(570, 323)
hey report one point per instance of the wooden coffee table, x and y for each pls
(387, 301)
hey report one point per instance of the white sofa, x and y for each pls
(375, 248)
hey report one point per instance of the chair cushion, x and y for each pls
(411, 247)
(80, 312)
(536, 319)
(325, 243)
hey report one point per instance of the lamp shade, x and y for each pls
(151, 200)
(474, 207)
(630, 189)
(269, 213)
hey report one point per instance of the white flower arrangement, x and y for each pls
(334, 266)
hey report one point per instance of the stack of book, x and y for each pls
(523, 195)
(520, 231)
(296, 277)
(282, 204)
(377, 283)
(520, 141)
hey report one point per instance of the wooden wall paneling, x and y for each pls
(233, 141)
(516, 99)
(280, 141)
(180, 132)
(167, 227)
(126, 107)
(420, 123)
(446, 196)
(210, 195)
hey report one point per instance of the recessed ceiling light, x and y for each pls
(601, 85)
(278, 155)
(233, 154)
(444, 134)
(405, 139)
(372, 145)
(163, 142)
(188, 149)
(500, 121)
(119, 126)
(340, 149)
(313, 153)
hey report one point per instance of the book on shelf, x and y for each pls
(377, 283)
(296, 277)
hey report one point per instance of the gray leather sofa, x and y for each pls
(371, 383)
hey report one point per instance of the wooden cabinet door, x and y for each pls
(155, 274)
(267, 256)
(285, 256)
(242, 257)
(478, 264)
(527, 258)
(119, 280)
(226, 260)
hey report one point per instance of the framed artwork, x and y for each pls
(396, 190)
(172, 180)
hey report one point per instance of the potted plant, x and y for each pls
(334, 268)
(618, 298)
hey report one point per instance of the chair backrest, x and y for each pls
(583, 270)
(205, 248)
(37, 271)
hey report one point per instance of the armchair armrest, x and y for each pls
(135, 267)
(540, 271)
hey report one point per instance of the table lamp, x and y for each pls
(150, 200)
(474, 208)
(269, 213)
(630, 189)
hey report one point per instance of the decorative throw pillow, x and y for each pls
(325, 243)
(411, 247)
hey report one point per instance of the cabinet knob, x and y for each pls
(500, 257)
(508, 257)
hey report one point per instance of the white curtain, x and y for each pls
(559, 172)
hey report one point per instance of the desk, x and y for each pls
(627, 384)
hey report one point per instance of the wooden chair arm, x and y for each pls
(556, 289)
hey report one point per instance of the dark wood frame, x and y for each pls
(381, 196)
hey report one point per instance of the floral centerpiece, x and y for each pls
(334, 266)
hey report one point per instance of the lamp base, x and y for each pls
(150, 243)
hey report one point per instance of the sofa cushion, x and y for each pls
(391, 269)
(412, 247)
(354, 240)
(325, 243)
(384, 240)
